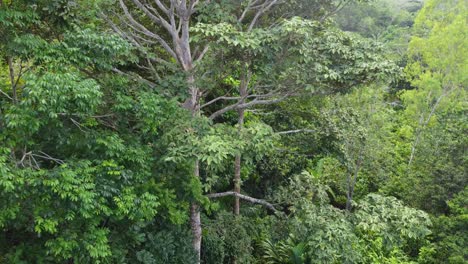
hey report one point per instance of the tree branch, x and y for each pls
(264, 8)
(241, 105)
(243, 197)
(7, 96)
(156, 18)
(338, 8)
(247, 9)
(295, 131)
(146, 31)
(219, 98)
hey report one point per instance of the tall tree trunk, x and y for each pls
(173, 35)
(240, 122)
(195, 220)
(237, 168)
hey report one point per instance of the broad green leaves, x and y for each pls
(388, 218)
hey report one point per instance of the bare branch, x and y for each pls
(154, 17)
(224, 110)
(202, 54)
(338, 8)
(47, 156)
(296, 131)
(9, 97)
(243, 197)
(424, 124)
(137, 26)
(77, 124)
(24, 157)
(151, 84)
(162, 6)
(31, 157)
(264, 8)
(241, 105)
(193, 4)
(247, 9)
(219, 98)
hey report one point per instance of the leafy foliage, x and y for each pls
(107, 140)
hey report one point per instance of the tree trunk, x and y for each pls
(195, 221)
(12, 79)
(238, 159)
(237, 170)
(351, 181)
(174, 22)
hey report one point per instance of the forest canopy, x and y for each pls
(233, 131)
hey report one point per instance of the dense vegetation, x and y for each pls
(227, 131)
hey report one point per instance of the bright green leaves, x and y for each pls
(13, 22)
(50, 99)
(9, 183)
(12, 19)
(75, 184)
(96, 243)
(8, 180)
(102, 51)
(388, 218)
(387, 228)
(287, 251)
(97, 161)
(77, 192)
(321, 59)
(332, 59)
(378, 230)
(325, 231)
(82, 48)
(434, 112)
(154, 111)
(214, 149)
(328, 234)
(449, 239)
(62, 94)
(304, 54)
(230, 35)
(136, 207)
(63, 246)
(439, 51)
(45, 225)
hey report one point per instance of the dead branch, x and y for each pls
(243, 197)
(296, 131)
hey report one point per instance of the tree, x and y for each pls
(433, 110)
(76, 174)
(240, 27)
(128, 125)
